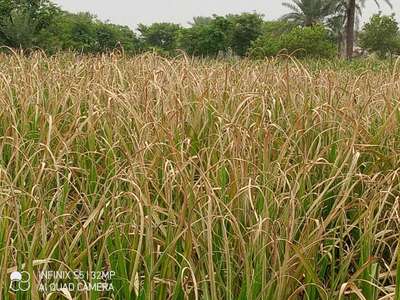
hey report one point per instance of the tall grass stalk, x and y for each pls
(200, 179)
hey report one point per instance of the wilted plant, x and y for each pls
(199, 179)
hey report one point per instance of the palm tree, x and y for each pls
(308, 12)
(336, 24)
(351, 7)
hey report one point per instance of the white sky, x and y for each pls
(133, 12)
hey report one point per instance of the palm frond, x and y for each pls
(291, 6)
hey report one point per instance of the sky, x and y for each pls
(133, 12)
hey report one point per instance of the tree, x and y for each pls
(160, 36)
(336, 25)
(21, 21)
(308, 12)
(200, 21)
(83, 32)
(351, 7)
(78, 32)
(211, 36)
(111, 36)
(206, 38)
(245, 28)
(381, 35)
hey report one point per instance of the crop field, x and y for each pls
(155, 178)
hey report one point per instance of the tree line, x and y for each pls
(313, 28)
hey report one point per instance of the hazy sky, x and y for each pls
(133, 12)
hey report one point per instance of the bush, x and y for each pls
(265, 46)
(311, 41)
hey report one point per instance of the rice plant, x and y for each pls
(199, 179)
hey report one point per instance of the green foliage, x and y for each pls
(311, 41)
(200, 20)
(22, 21)
(381, 35)
(265, 46)
(206, 38)
(309, 12)
(277, 28)
(84, 33)
(245, 28)
(110, 36)
(211, 36)
(161, 37)
(269, 43)
(32, 24)
(79, 32)
(19, 32)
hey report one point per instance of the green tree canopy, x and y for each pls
(308, 12)
(381, 35)
(83, 32)
(160, 36)
(351, 7)
(311, 41)
(245, 28)
(21, 21)
(210, 36)
(206, 38)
